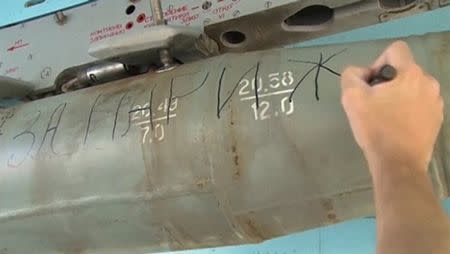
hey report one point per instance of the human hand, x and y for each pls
(396, 121)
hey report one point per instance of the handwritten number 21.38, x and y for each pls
(276, 80)
(144, 111)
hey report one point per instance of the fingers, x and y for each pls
(354, 76)
(397, 55)
(354, 86)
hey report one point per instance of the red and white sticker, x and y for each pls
(107, 32)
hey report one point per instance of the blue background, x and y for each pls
(357, 236)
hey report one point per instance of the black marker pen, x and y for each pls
(386, 73)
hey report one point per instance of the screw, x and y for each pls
(93, 78)
(30, 57)
(206, 5)
(166, 59)
(60, 17)
(236, 13)
(158, 13)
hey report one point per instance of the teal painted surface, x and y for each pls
(14, 11)
(347, 238)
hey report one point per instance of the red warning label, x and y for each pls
(11, 70)
(222, 9)
(17, 45)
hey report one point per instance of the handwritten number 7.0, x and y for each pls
(152, 136)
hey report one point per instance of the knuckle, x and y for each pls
(435, 81)
(435, 85)
(400, 47)
(399, 44)
(349, 70)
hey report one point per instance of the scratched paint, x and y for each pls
(180, 160)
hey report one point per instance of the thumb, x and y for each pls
(398, 54)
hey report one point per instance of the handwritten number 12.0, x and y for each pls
(261, 112)
(264, 112)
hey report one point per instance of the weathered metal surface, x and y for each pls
(186, 159)
(10, 88)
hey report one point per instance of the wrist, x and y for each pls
(395, 166)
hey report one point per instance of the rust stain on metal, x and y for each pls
(78, 251)
(234, 149)
(202, 183)
(235, 157)
(250, 226)
(328, 205)
(237, 171)
(332, 216)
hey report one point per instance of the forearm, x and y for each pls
(396, 124)
(410, 218)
